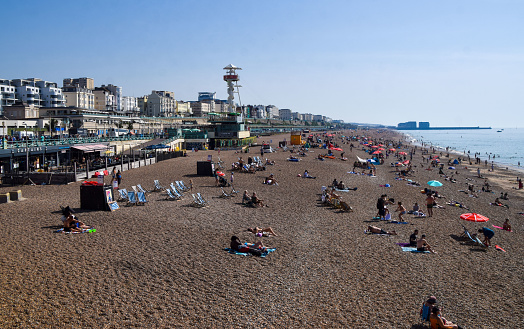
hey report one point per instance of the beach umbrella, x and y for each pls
(380, 144)
(376, 152)
(336, 149)
(374, 146)
(473, 217)
(392, 149)
(434, 183)
(402, 153)
(381, 149)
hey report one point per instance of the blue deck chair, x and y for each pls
(141, 198)
(158, 187)
(141, 189)
(123, 194)
(201, 199)
(175, 189)
(131, 198)
(196, 202)
(171, 196)
(181, 186)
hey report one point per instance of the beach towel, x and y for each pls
(403, 244)
(500, 228)
(91, 230)
(397, 222)
(367, 232)
(264, 254)
(414, 250)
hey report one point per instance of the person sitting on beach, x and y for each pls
(402, 210)
(71, 222)
(415, 209)
(261, 231)
(256, 201)
(413, 239)
(378, 230)
(237, 245)
(335, 183)
(438, 322)
(270, 180)
(506, 226)
(341, 185)
(422, 245)
(488, 234)
(245, 197)
(307, 175)
(425, 311)
(269, 162)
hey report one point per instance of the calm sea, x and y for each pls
(507, 145)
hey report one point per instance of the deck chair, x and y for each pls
(184, 185)
(175, 189)
(180, 187)
(472, 238)
(196, 202)
(141, 198)
(171, 196)
(201, 199)
(141, 189)
(134, 189)
(123, 194)
(176, 193)
(131, 198)
(224, 194)
(158, 187)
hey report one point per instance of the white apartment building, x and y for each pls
(307, 117)
(285, 114)
(130, 104)
(117, 93)
(161, 104)
(296, 116)
(27, 92)
(50, 94)
(272, 112)
(7, 94)
(79, 97)
(184, 109)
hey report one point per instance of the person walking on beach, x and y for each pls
(232, 179)
(119, 178)
(430, 200)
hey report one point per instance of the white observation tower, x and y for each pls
(230, 77)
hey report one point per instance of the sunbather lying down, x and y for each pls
(252, 248)
(378, 230)
(261, 231)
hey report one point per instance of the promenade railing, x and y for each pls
(71, 141)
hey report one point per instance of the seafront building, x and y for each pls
(161, 104)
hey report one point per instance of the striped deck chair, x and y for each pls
(123, 194)
(141, 189)
(201, 199)
(158, 187)
(141, 198)
(175, 192)
(184, 186)
(196, 202)
(131, 198)
(171, 196)
(224, 194)
(179, 186)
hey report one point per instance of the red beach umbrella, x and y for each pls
(381, 149)
(380, 144)
(473, 217)
(392, 150)
(375, 146)
(376, 152)
(402, 153)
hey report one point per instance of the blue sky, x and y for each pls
(377, 61)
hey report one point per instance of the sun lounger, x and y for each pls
(158, 187)
(134, 189)
(141, 198)
(472, 238)
(224, 194)
(141, 189)
(201, 199)
(176, 193)
(123, 194)
(171, 196)
(196, 202)
(180, 186)
(183, 185)
(131, 198)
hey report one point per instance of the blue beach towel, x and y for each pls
(414, 250)
(264, 254)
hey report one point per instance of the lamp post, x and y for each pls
(26, 148)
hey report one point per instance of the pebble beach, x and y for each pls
(163, 264)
